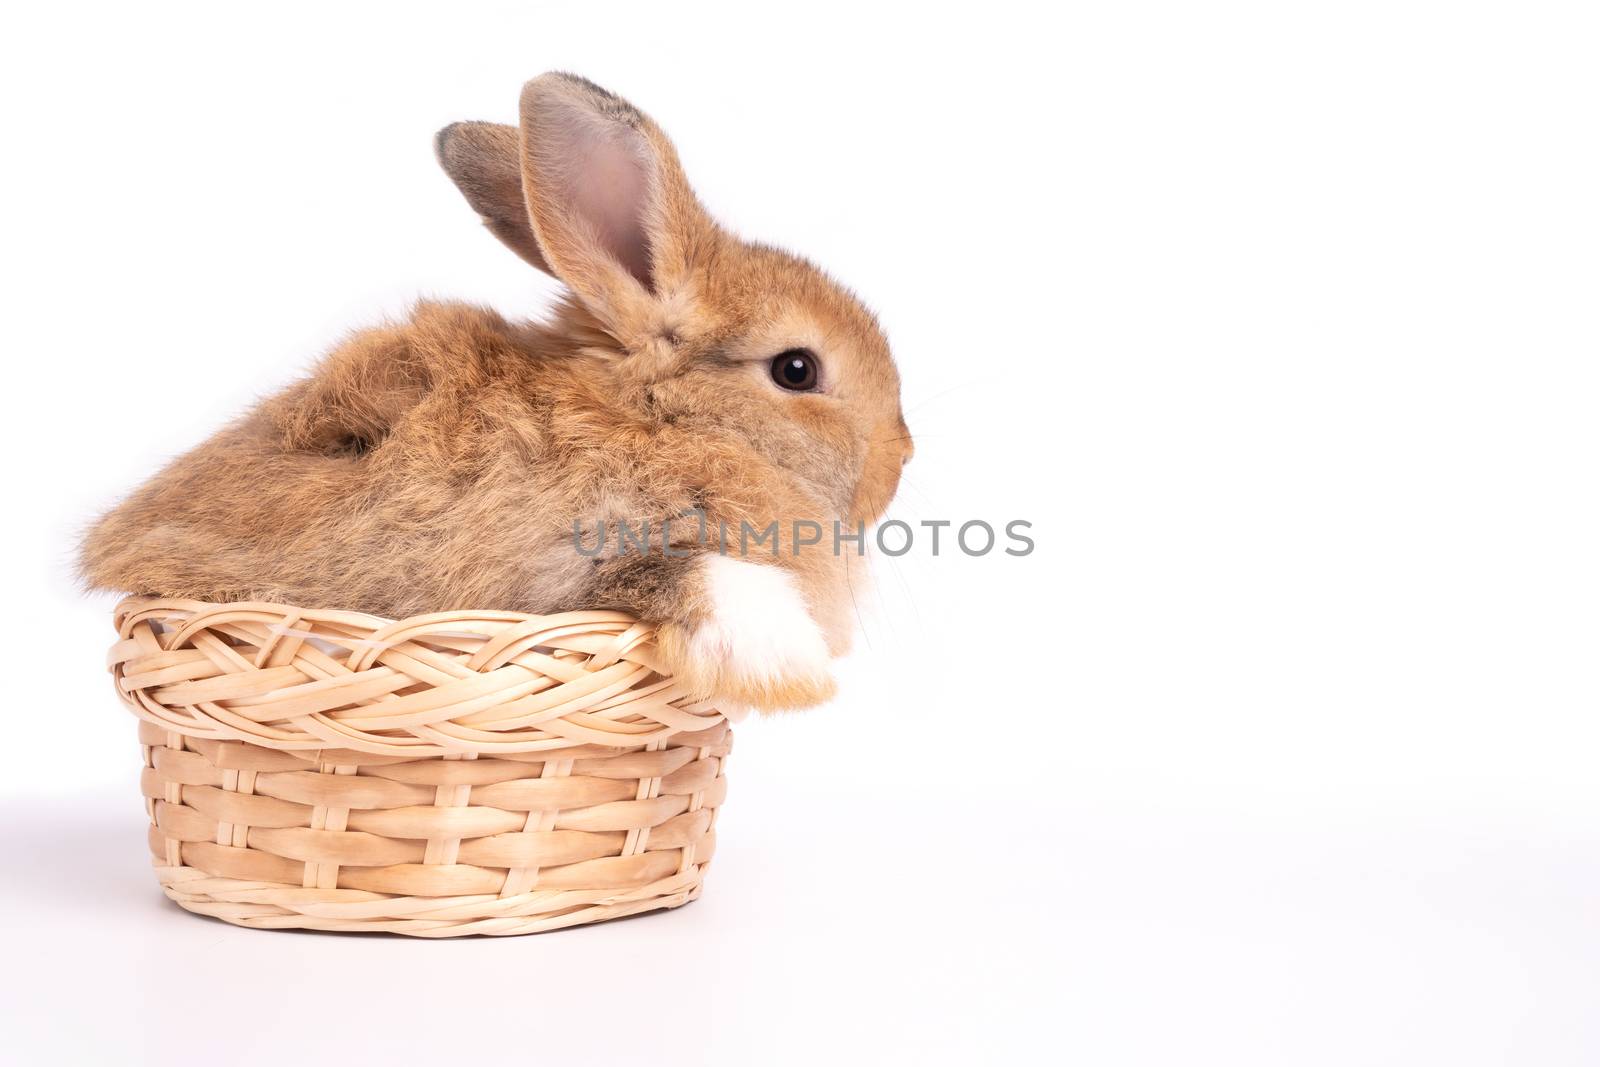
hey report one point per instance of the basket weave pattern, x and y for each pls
(449, 774)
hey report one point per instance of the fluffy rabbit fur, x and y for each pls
(441, 463)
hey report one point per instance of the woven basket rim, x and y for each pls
(459, 683)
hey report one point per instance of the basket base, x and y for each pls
(518, 843)
(273, 906)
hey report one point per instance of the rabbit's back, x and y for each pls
(351, 487)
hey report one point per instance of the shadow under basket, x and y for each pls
(467, 772)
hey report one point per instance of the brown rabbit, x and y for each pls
(443, 463)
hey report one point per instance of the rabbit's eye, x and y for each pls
(795, 369)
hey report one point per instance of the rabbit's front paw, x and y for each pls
(754, 645)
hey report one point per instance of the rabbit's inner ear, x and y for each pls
(587, 181)
(606, 185)
(598, 180)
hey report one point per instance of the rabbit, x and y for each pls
(446, 462)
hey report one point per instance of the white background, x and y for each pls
(1279, 322)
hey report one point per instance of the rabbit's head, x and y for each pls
(697, 327)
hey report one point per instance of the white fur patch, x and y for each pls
(759, 630)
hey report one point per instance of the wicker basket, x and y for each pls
(461, 773)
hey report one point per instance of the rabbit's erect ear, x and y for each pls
(485, 161)
(610, 206)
